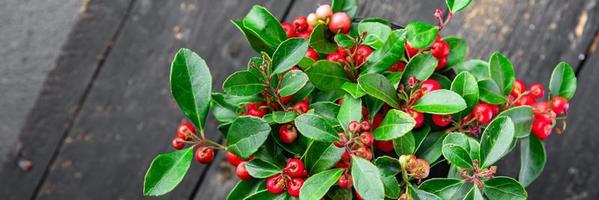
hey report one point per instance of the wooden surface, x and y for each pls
(105, 110)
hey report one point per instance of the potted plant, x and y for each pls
(338, 108)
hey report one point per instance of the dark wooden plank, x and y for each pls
(61, 96)
(129, 116)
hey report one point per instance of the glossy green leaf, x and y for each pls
(532, 160)
(167, 171)
(363, 173)
(327, 75)
(502, 72)
(327, 110)
(467, 143)
(478, 68)
(417, 194)
(431, 147)
(316, 186)
(243, 189)
(353, 89)
(191, 85)
(466, 86)
(421, 66)
(288, 54)
(282, 117)
(395, 124)
(383, 58)
(496, 140)
(265, 26)
(420, 134)
(321, 156)
(316, 128)
(420, 34)
(351, 110)
(458, 50)
(373, 41)
(522, 117)
(563, 81)
(380, 30)
(243, 83)
(490, 92)
(266, 195)
(378, 86)
(405, 144)
(440, 102)
(319, 42)
(246, 135)
(443, 80)
(344, 40)
(445, 188)
(457, 5)
(254, 39)
(336, 193)
(502, 188)
(387, 166)
(262, 169)
(457, 156)
(348, 6)
(392, 188)
(292, 82)
(395, 78)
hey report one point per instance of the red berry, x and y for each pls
(364, 152)
(289, 29)
(518, 88)
(430, 85)
(418, 117)
(254, 109)
(411, 51)
(525, 101)
(336, 57)
(234, 159)
(376, 121)
(366, 138)
(358, 195)
(304, 34)
(541, 107)
(178, 143)
(287, 133)
(294, 186)
(541, 128)
(483, 113)
(342, 140)
(301, 107)
(398, 67)
(242, 172)
(345, 182)
(353, 126)
(342, 51)
(340, 21)
(365, 125)
(364, 111)
(559, 105)
(286, 99)
(311, 53)
(276, 184)
(185, 129)
(362, 53)
(442, 120)
(384, 146)
(440, 49)
(441, 62)
(294, 168)
(537, 90)
(344, 162)
(204, 155)
(300, 23)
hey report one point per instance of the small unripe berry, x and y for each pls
(204, 155)
(287, 133)
(294, 168)
(178, 143)
(340, 22)
(518, 88)
(336, 57)
(242, 172)
(559, 105)
(324, 11)
(537, 90)
(300, 23)
(384, 146)
(442, 120)
(312, 19)
(440, 49)
(430, 85)
(276, 184)
(311, 53)
(345, 182)
(294, 186)
(301, 107)
(353, 126)
(289, 29)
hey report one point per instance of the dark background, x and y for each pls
(84, 85)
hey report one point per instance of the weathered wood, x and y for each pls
(130, 116)
(61, 96)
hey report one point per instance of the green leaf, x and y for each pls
(440, 102)
(457, 5)
(532, 160)
(522, 117)
(496, 140)
(265, 26)
(282, 117)
(420, 134)
(373, 41)
(353, 89)
(191, 85)
(563, 81)
(344, 40)
(490, 92)
(417, 194)
(321, 156)
(405, 144)
(254, 40)
(466, 86)
(392, 188)
(458, 50)
(289, 54)
(421, 66)
(467, 143)
(327, 75)
(457, 156)
(363, 173)
(348, 6)
(243, 189)
(431, 148)
(383, 58)
(478, 68)
(318, 185)
(319, 42)
(502, 72)
(380, 30)
(378, 86)
(336, 193)
(243, 83)
(262, 169)
(316, 128)
(351, 110)
(502, 188)
(445, 188)
(292, 82)
(327, 110)
(266, 195)
(395, 78)
(167, 171)
(246, 135)
(387, 166)
(443, 80)
(395, 124)
(420, 34)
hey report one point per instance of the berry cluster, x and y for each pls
(439, 49)
(291, 179)
(302, 26)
